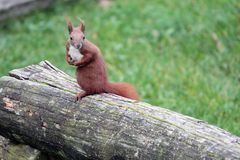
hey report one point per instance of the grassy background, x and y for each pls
(183, 55)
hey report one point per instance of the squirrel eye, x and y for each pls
(71, 38)
(84, 37)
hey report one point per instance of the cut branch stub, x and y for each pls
(11, 151)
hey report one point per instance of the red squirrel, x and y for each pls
(91, 70)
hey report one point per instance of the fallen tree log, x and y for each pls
(13, 8)
(37, 108)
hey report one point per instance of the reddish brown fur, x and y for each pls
(91, 71)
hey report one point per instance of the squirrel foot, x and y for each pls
(80, 95)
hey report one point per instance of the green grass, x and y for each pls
(183, 55)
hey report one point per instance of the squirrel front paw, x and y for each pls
(70, 60)
(80, 95)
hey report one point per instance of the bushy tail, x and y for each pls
(123, 89)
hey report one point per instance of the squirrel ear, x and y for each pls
(82, 25)
(69, 24)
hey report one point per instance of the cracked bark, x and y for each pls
(37, 108)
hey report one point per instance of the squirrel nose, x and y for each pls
(78, 45)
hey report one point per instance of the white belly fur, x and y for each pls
(75, 53)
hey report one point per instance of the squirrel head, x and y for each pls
(76, 34)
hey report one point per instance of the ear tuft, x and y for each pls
(82, 25)
(69, 24)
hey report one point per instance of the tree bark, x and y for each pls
(37, 108)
